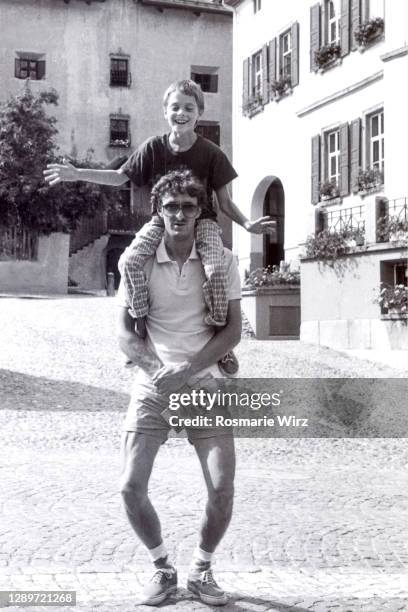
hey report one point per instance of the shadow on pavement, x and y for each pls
(24, 392)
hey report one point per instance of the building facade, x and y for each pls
(320, 141)
(110, 62)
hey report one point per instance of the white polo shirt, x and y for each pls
(176, 328)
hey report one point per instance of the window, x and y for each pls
(285, 57)
(119, 72)
(26, 68)
(332, 29)
(375, 152)
(207, 82)
(257, 5)
(257, 74)
(371, 9)
(209, 130)
(119, 132)
(332, 161)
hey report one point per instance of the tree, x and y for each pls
(26, 146)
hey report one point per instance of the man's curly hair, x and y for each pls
(176, 182)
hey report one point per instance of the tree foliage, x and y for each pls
(27, 144)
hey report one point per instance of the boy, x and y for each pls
(183, 104)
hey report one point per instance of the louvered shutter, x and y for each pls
(272, 60)
(295, 54)
(314, 34)
(345, 27)
(355, 20)
(40, 69)
(17, 67)
(315, 170)
(214, 83)
(355, 153)
(245, 83)
(265, 88)
(344, 159)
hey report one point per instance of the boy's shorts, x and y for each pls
(145, 410)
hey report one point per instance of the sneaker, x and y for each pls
(207, 589)
(161, 584)
(228, 365)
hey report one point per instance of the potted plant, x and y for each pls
(326, 246)
(393, 298)
(328, 190)
(369, 180)
(273, 290)
(369, 31)
(327, 54)
(281, 87)
(253, 104)
(392, 229)
(120, 142)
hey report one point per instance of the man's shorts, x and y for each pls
(145, 410)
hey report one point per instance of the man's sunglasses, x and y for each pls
(189, 210)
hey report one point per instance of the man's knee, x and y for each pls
(133, 490)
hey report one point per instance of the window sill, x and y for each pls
(394, 316)
(117, 145)
(336, 199)
(365, 192)
(254, 110)
(277, 97)
(370, 43)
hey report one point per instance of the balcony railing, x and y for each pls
(343, 220)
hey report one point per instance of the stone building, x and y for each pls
(320, 140)
(110, 62)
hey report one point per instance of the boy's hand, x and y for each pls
(263, 225)
(172, 377)
(57, 173)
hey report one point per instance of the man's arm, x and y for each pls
(259, 226)
(133, 346)
(66, 172)
(172, 378)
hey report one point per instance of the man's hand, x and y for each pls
(172, 377)
(263, 225)
(58, 173)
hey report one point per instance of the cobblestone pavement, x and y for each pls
(319, 524)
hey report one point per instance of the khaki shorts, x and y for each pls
(145, 410)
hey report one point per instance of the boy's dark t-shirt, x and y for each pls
(155, 158)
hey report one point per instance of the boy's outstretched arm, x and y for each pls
(263, 225)
(66, 172)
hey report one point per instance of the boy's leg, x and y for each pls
(211, 251)
(131, 265)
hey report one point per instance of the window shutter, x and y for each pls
(355, 20)
(344, 159)
(245, 83)
(295, 54)
(40, 69)
(345, 27)
(17, 68)
(315, 169)
(265, 88)
(314, 34)
(213, 83)
(272, 60)
(355, 148)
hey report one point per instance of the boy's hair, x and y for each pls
(176, 182)
(188, 88)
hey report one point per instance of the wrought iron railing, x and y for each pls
(392, 216)
(345, 220)
(18, 243)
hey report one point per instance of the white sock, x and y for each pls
(160, 552)
(200, 558)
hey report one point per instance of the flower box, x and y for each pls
(369, 181)
(252, 106)
(368, 32)
(273, 312)
(328, 190)
(120, 143)
(327, 56)
(281, 88)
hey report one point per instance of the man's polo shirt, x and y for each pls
(176, 327)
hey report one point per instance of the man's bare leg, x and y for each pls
(217, 458)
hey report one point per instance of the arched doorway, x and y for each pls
(274, 206)
(268, 199)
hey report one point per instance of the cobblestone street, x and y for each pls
(318, 524)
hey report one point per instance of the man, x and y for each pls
(180, 348)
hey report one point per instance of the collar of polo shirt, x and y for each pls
(163, 257)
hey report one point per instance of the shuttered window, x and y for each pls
(257, 5)
(257, 74)
(285, 59)
(332, 156)
(332, 22)
(315, 174)
(315, 34)
(375, 125)
(355, 153)
(119, 72)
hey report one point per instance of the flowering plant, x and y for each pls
(369, 178)
(120, 142)
(272, 276)
(327, 53)
(328, 189)
(368, 30)
(253, 102)
(279, 87)
(389, 227)
(328, 245)
(393, 296)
